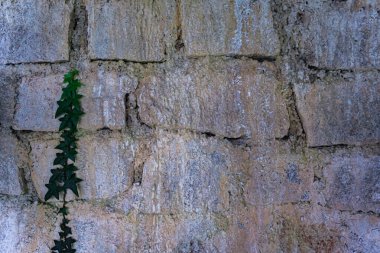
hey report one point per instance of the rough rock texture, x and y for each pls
(341, 35)
(246, 104)
(7, 104)
(186, 173)
(106, 161)
(353, 183)
(25, 227)
(222, 27)
(210, 126)
(10, 182)
(33, 31)
(37, 102)
(338, 110)
(104, 101)
(130, 30)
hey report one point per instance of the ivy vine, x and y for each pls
(64, 176)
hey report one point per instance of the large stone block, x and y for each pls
(129, 30)
(10, 181)
(8, 81)
(25, 227)
(341, 35)
(97, 230)
(353, 183)
(232, 99)
(222, 27)
(104, 93)
(172, 233)
(34, 31)
(103, 102)
(278, 179)
(192, 174)
(37, 102)
(340, 111)
(317, 229)
(105, 164)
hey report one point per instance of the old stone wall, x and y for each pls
(210, 126)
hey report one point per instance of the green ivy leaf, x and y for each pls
(53, 191)
(63, 176)
(71, 184)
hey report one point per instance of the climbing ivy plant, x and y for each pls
(63, 175)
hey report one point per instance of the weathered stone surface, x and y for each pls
(10, 181)
(8, 82)
(129, 30)
(364, 234)
(353, 183)
(104, 100)
(33, 31)
(317, 229)
(165, 233)
(222, 27)
(97, 230)
(104, 162)
(341, 34)
(37, 102)
(338, 111)
(192, 174)
(25, 227)
(231, 99)
(278, 179)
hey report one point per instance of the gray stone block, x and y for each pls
(232, 99)
(340, 111)
(128, 30)
(222, 27)
(341, 35)
(34, 31)
(10, 181)
(105, 164)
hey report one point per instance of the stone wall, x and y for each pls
(210, 126)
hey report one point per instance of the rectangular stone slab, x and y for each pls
(26, 226)
(104, 93)
(128, 30)
(337, 111)
(353, 183)
(231, 99)
(10, 181)
(190, 173)
(104, 162)
(223, 27)
(34, 31)
(344, 35)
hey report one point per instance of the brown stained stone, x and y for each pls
(338, 111)
(222, 27)
(104, 162)
(10, 181)
(34, 31)
(278, 179)
(353, 183)
(129, 30)
(318, 229)
(232, 99)
(344, 35)
(103, 102)
(192, 174)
